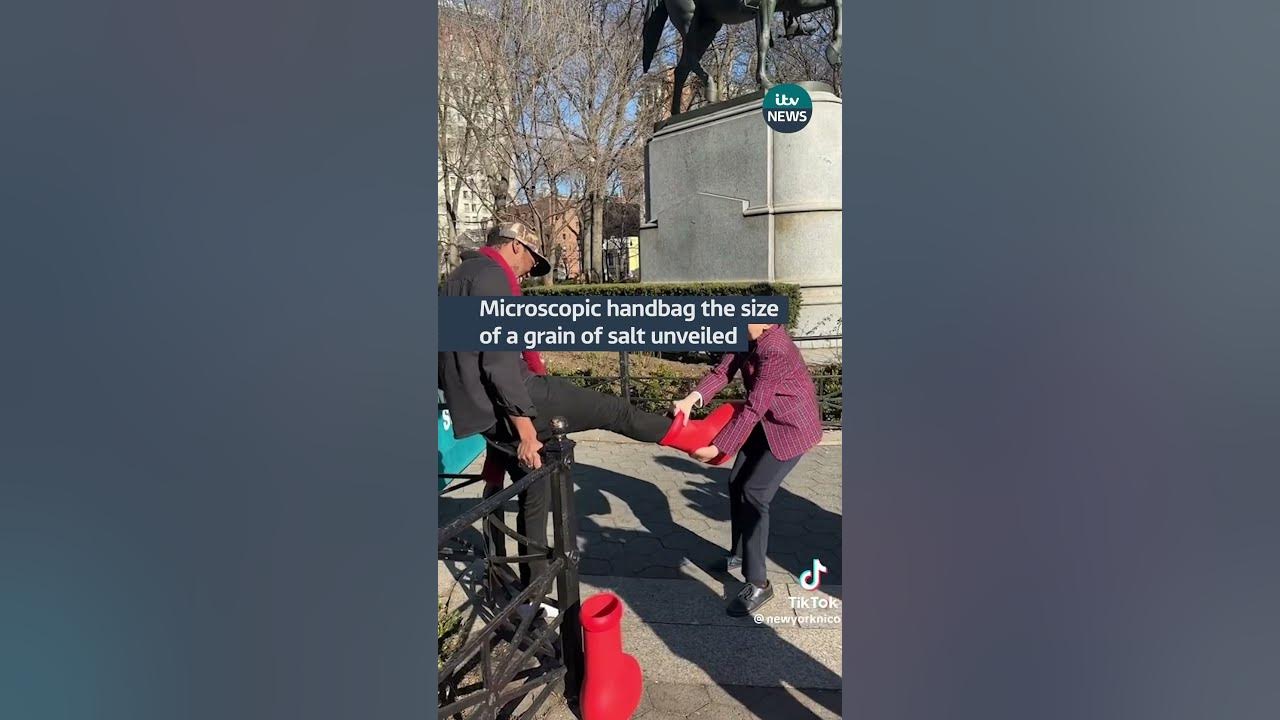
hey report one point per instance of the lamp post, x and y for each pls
(597, 221)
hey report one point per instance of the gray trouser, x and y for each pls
(757, 474)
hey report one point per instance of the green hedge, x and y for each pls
(655, 390)
(732, 289)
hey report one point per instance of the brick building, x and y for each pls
(560, 225)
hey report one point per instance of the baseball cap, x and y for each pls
(526, 237)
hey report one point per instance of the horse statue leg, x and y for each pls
(835, 55)
(699, 39)
(681, 14)
(708, 82)
(764, 38)
(695, 44)
(677, 85)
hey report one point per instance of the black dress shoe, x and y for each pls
(749, 599)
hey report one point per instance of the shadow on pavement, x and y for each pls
(660, 546)
(800, 529)
(659, 549)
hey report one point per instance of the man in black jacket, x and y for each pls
(498, 395)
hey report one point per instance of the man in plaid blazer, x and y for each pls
(779, 423)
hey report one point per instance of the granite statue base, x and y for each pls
(731, 199)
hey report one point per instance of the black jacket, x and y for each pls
(482, 388)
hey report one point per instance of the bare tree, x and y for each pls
(453, 142)
(548, 98)
(468, 123)
(512, 53)
(800, 52)
(603, 116)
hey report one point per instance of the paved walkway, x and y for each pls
(646, 511)
(653, 526)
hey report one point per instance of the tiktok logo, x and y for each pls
(811, 579)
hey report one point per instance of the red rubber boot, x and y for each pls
(612, 682)
(696, 434)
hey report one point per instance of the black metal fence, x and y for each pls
(509, 665)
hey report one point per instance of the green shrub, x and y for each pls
(828, 380)
(699, 289)
(655, 390)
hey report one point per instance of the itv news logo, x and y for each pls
(787, 108)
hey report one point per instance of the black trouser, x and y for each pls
(755, 479)
(582, 410)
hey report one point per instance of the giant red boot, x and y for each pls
(612, 683)
(696, 434)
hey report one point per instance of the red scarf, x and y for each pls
(495, 461)
(531, 357)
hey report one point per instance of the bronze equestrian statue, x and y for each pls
(698, 21)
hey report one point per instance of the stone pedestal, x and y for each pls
(731, 199)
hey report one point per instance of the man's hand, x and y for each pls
(706, 454)
(528, 453)
(685, 405)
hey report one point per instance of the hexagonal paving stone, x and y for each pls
(686, 517)
(707, 555)
(786, 562)
(774, 702)
(611, 535)
(822, 521)
(788, 531)
(661, 527)
(681, 700)
(642, 545)
(787, 543)
(594, 566)
(680, 541)
(718, 712)
(787, 514)
(659, 571)
(604, 550)
(626, 522)
(555, 709)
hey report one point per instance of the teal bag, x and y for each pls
(454, 454)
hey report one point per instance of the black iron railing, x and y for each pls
(510, 665)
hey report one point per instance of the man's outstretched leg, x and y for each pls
(586, 409)
(582, 410)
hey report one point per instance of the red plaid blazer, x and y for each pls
(780, 396)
